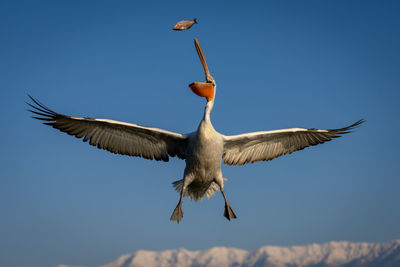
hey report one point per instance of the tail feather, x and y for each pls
(196, 191)
(178, 185)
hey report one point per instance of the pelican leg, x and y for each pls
(178, 213)
(228, 213)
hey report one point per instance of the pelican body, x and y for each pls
(202, 150)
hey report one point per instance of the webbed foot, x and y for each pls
(228, 213)
(177, 214)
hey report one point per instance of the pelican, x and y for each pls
(203, 150)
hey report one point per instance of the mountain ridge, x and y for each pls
(329, 254)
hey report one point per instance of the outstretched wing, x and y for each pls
(267, 145)
(114, 136)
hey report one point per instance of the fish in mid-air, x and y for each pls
(184, 25)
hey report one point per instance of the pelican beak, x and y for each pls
(203, 89)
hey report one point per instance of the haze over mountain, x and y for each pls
(331, 254)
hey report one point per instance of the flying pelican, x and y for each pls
(203, 150)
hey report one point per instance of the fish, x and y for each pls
(184, 25)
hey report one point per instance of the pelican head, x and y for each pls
(204, 89)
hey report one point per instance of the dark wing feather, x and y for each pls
(263, 146)
(114, 136)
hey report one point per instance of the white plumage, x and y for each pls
(203, 150)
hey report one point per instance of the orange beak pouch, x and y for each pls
(203, 89)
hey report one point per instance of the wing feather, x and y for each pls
(114, 136)
(267, 145)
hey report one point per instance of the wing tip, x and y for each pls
(348, 129)
(40, 109)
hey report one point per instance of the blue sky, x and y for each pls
(277, 64)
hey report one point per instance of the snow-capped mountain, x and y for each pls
(332, 254)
